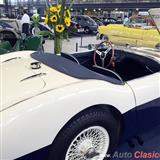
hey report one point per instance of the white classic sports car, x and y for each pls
(80, 105)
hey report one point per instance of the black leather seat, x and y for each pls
(130, 68)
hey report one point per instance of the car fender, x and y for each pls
(34, 123)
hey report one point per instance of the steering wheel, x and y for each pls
(103, 55)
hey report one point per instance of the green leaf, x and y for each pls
(47, 34)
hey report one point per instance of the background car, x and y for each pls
(138, 32)
(75, 28)
(12, 23)
(119, 20)
(4, 25)
(141, 21)
(86, 22)
(10, 41)
(8, 33)
(97, 20)
(107, 21)
(2, 15)
(11, 38)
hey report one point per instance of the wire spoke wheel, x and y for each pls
(90, 144)
(89, 136)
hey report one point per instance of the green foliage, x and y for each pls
(36, 19)
(47, 34)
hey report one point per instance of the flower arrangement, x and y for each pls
(58, 18)
(36, 20)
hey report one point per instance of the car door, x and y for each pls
(147, 93)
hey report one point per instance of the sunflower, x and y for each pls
(67, 13)
(67, 22)
(53, 9)
(53, 18)
(59, 8)
(60, 28)
(46, 20)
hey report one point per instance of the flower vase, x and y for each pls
(36, 30)
(58, 44)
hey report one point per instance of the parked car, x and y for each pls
(88, 112)
(11, 38)
(141, 21)
(8, 35)
(86, 22)
(4, 25)
(2, 15)
(97, 20)
(119, 20)
(108, 21)
(76, 28)
(138, 32)
(11, 41)
(12, 23)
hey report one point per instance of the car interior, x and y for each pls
(127, 66)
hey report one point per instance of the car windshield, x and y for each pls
(96, 19)
(155, 14)
(90, 20)
(141, 21)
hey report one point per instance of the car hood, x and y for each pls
(19, 81)
(155, 14)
